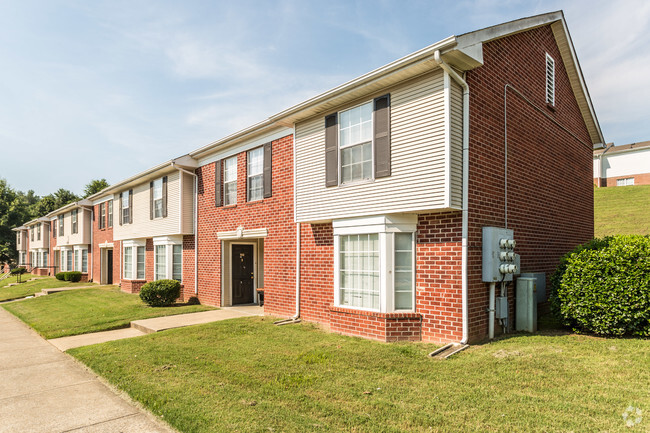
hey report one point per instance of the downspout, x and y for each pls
(92, 246)
(297, 315)
(194, 228)
(465, 218)
(600, 164)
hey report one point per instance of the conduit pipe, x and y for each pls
(464, 234)
(491, 311)
(195, 228)
(297, 315)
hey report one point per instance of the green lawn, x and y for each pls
(30, 287)
(247, 375)
(89, 310)
(622, 210)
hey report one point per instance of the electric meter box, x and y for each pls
(500, 262)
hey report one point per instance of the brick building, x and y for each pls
(362, 208)
(624, 165)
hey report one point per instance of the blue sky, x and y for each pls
(106, 89)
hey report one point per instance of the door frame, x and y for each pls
(228, 284)
(104, 270)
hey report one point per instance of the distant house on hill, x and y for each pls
(622, 165)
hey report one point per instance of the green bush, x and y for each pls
(193, 301)
(604, 286)
(18, 271)
(72, 276)
(60, 276)
(160, 293)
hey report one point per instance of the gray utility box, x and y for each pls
(500, 262)
(526, 306)
(540, 284)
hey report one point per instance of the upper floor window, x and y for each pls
(550, 80)
(230, 181)
(357, 143)
(126, 207)
(158, 198)
(32, 234)
(54, 224)
(255, 174)
(102, 215)
(61, 220)
(38, 232)
(75, 228)
(18, 238)
(110, 213)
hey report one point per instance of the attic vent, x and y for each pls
(550, 80)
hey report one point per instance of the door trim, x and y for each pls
(255, 276)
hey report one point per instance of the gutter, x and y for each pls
(600, 164)
(465, 212)
(194, 225)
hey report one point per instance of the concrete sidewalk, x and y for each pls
(157, 324)
(44, 390)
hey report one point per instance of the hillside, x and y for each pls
(622, 210)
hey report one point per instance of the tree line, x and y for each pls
(17, 208)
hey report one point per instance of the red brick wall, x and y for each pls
(376, 326)
(274, 213)
(639, 179)
(188, 267)
(550, 191)
(101, 236)
(316, 272)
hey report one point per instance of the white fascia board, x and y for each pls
(103, 199)
(376, 224)
(133, 243)
(167, 240)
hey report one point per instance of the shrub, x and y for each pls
(60, 276)
(193, 301)
(604, 286)
(72, 276)
(18, 271)
(160, 293)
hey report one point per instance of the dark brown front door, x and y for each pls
(109, 266)
(243, 274)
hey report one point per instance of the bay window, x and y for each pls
(133, 261)
(374, 263)
(168, 258)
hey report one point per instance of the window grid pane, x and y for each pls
(140, 263)
(84, 260)
(403, 271)
(161, 262)
(230, 181)
(110, 213)
(255, 174)
(359, 271)
(177, 262)
(128, 263)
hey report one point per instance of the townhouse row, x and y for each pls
(362, 208)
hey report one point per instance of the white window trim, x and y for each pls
(226, 182)
(385, 226)
(159, 183)
(168, 242)
(133, 244)
(78, 259)
(249, 176)
(372, 147)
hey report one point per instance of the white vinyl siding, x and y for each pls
(84, 227)
(418, 172)
(177, 221)
(456, 140)
(41, 233)
(230, 181)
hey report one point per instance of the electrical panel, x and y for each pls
(500, 262)
(501, 307)
(526, 305)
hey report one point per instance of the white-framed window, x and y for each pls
(374, 263)
(84, 260)
(38, 232)
(75, 227)
(68, 265)
(45, 258)
(32, 234)
(22, 258)
(133, 259)
(158, 198)
(355, 143)
(168, 258)
(230, 181)
(550, 80)
(102, 216)
(628, 181)
(126, 206)
(110, 213)
(61, 222)
(255, 174)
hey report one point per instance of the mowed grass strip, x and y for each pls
(622, 210)
(247, 375)
(89, 310)
(28, 288)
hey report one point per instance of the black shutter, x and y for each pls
(164, 195)
(217, 184)
(382, 136)
(268, 170)
(119, 210)
(150, 200)
(331, 150)
(130, 206)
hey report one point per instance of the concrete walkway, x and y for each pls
(44, 390)
(157, 324)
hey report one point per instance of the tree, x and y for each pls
(46, 205)
(63, 197)
(14, 211)
(94, 186)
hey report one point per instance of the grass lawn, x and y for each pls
(31, 287)
(247, 375)
(622, 210)
(88, 310)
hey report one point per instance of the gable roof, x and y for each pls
(624, 148)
